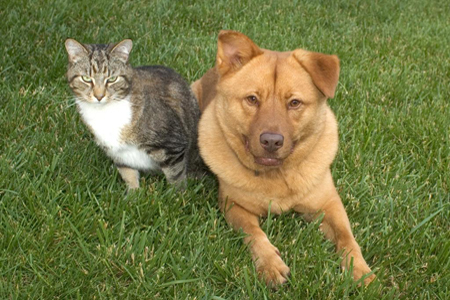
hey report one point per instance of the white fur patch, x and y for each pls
(107, 121)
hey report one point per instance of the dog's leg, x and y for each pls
(267, 258)
(336, 227)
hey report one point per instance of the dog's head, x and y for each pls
(269, 104)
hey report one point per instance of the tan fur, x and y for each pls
(130, 176)
(295, 177)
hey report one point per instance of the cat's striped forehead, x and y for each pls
(98, 60)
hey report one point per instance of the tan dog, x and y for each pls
(268, 134)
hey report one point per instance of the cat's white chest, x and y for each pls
(107, 122)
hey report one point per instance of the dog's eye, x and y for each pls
(294, 104)
(252, 100)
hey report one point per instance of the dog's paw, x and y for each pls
(369, 279)
(271, 268)
(362, 270)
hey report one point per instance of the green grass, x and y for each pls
(68, 230)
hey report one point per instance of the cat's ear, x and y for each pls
(122, 50)
(75, 50)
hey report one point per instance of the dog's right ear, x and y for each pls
(234, 50)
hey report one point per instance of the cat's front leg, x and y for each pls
(130, 176)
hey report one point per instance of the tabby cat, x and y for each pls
(145, 118)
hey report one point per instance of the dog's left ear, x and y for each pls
(234, 50)
(323, 69)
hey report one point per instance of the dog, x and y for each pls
(268, 134)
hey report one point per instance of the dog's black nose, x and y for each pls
(271, 142)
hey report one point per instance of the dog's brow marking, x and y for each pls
(275, 78)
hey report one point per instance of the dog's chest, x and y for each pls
(107, 122)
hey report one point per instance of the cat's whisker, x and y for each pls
(115, 99)
(72, 101)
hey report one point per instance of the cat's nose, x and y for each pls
(99, 92)
(99, 96)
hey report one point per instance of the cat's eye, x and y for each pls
(112, 79)
(86, 79)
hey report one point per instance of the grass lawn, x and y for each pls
(69, 230)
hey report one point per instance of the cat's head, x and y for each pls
(99, 73)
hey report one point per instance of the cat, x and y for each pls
(145, 118)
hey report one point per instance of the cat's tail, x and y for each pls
(196, 166)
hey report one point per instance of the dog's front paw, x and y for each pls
(271, 267)
(361, 269)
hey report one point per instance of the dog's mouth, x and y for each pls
(267, 161)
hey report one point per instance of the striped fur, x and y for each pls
(145, 118)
